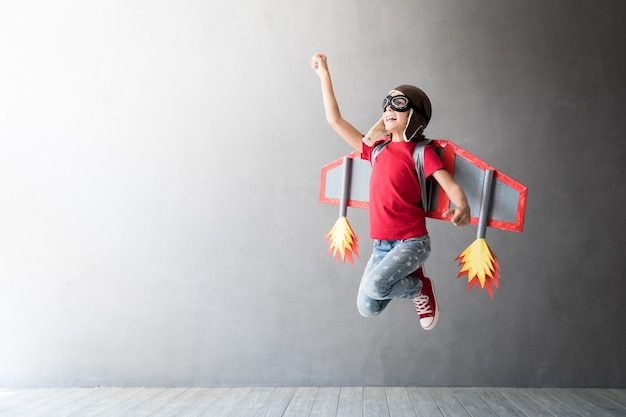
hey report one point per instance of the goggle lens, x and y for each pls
(397, 103)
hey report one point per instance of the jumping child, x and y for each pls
(397, 220)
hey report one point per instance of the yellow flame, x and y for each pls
(343, 241)
(480, 264)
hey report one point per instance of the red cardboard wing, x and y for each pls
(508, 204)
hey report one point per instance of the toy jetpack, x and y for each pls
(495, 199)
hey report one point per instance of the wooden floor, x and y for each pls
(322, 402)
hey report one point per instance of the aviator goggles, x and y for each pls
(399, 103)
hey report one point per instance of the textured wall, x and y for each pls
(159, 176)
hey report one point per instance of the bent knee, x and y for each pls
(375, 291)
(368, 313)
(368, 308)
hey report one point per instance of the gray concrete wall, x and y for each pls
(159, 177)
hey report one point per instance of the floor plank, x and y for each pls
(226, 404)
(375, 402)
(276, 404)
(424, 402)
(400, 404)
(208, 401)
(449, 405)
(15, 399)
(132, 405)
(621, 393)
(36, 401)
(75, 401)
(190, 403)
(107, 398)
(616, 396)
(474, 404)
(10, 398)
(325, 403)
(156, 402)
(255, 399)
(499, 403)
(594, 397)
(522, 401)
(350, 402)
(301, 402)
(581, 406)
(550, 403)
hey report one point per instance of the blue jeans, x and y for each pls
(386, 275)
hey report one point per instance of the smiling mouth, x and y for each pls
(390, 119)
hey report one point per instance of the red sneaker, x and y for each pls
(426, 304)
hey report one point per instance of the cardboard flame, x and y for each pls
(480, 265)
(343, 241)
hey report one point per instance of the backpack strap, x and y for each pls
(418, 158)
(378, 149)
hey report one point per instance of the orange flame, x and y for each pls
(343, 241)
(480, 265)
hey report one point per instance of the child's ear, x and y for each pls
(375, 133)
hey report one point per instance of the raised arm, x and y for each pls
(331, 108)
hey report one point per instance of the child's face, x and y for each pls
(395, 121)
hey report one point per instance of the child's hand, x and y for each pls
(318, 63)
(460, 215)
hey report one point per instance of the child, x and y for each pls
(397, 221)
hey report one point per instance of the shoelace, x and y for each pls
(421, 304)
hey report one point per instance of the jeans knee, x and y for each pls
(367, 306)
(367, 312)
(375, 290)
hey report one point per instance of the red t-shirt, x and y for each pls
(395, 190)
